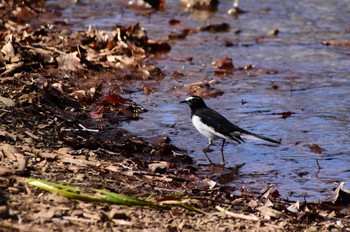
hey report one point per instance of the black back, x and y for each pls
(214, 119)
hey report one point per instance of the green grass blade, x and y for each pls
(102, 196)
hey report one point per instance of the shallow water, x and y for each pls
(313, 82)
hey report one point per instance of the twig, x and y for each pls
(200, 82)
(237, 215)
(83, 128)
(87, 129)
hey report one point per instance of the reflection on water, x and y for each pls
(313, 82)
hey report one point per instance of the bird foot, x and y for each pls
(223, 163)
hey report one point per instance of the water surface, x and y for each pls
(313, 82)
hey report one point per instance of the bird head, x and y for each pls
(194, 101)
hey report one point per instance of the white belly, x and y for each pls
(204, 129)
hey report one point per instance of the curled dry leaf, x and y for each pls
(160, 167)
(294, 208)
(8, 50)
(341, 196)
(69, 62)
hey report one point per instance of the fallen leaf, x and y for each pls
(222, 27)
(97, 114)
(69, 62)
(341, 196)
(237, 215)
(269, 213)
(335, 42)
(9, 151)
(158, 139)
(160, 167)
(294, 208)
(316, 148)
(8, 49)
(7, 101)
(114, 99)
(224, 63)
(7, 136)
(5, 171)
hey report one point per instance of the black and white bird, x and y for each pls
(215, 126)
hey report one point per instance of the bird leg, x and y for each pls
(222, 151)
(208, 157)
(207, 149)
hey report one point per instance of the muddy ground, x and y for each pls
(62, 99)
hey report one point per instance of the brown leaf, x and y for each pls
(114, 99)
(224, 63)
(8, 50)
(7, 101)
(98, 114)
(69, 62)
(160, 167)
(4, 135)
(250, 217)
(181, 34)
(334, 42)
(316, 149)
(269, 213)
(174, 21)
(9, 151)
(147, 89)
(5, 171)
(158, 46)
(159, 139)
(222, 27)
(285, 115)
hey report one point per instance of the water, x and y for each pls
(313, 82)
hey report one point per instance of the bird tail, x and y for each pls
(253, 136)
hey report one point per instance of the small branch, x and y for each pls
(87, 129)
(237, 215)
(83, 128)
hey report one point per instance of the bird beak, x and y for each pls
(183, 101)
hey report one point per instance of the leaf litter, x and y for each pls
(62, 99)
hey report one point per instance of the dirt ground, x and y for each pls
(61, 101)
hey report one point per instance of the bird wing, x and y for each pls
(228, 129)
(222, 125)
